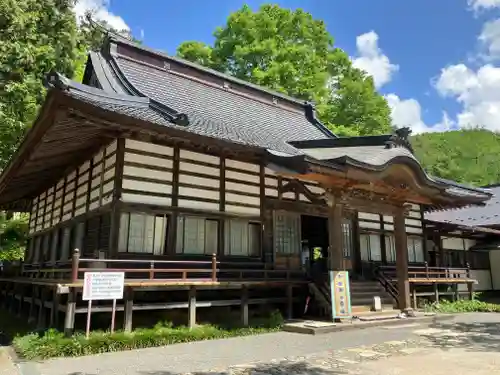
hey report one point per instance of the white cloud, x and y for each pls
(490, 39)
(478, 92)
(477, 5)
(408, 112)
(100, 12)
(372, 59)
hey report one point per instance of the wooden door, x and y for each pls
(286, 238)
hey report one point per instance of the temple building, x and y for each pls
(191, 180)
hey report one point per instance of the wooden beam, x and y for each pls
(129, 310)
(117, 194)
(289, 304)
(192, 307)
(69, 319)
(335, 238)
(402, 260)
(244, 306)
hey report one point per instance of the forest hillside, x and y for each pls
(467, 156)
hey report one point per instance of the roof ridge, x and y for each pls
(57, 80)
(308, 107)
(175, 116)
(119, 39)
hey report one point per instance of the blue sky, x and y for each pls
(434, 60)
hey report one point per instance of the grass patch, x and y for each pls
(462, 306)
(53, 343)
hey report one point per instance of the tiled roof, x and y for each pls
(216, 112)
(212, 111)
(488, 215)
(372, 155)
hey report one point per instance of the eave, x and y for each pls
(418, 188)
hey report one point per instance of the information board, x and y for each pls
(98, 286)
(340, 294)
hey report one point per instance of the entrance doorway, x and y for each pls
(314, 235)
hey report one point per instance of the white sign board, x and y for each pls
(103, 286)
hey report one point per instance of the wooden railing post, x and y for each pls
(151, 270)
(468, 270)
(214, 267)
(75, 263)
(426, 270)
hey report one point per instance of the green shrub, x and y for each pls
(53, 343)
(462, 306)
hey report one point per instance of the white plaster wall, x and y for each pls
(56, 204)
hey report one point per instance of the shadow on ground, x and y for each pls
(264, 369)
(261, 369)
(474, 336)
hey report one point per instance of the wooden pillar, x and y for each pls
(414, 293)
(69, 319)
(244, 306)
(470, 288)
(192, 307)
(8, 287)
(12, 300)
(436, 293)
(456, 295)
(41, 321)
(335, 238)
(54, 309)
(402, 259)
(128, 310)
(289, 302)
(31, 313)
(2, 299)
(22, 291)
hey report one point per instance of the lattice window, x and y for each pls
(142, 233)
(415, 247)
(390, 249)
(347, 243)
(370, 247)
(242, 238)
(287, 233)
(197, 235)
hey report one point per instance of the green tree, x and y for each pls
(291, 52)
(467, 155)
(13, 234)
(36, 37)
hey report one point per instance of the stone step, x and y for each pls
(365, 284)
(367, 309)
(362, 293)
(369, 301)
(378, 315)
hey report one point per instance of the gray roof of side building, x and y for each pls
(487, 215)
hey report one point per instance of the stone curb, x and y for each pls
(352, 326)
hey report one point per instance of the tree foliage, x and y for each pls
(13, 236)
(467, 156)
(293, 53)
(36, 37)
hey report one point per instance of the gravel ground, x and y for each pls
(406, 347)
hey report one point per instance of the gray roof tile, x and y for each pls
(373, 155)
(487, 215)
(247, 120)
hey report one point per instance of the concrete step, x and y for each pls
(378, 315)
(362, 310)
(369, 293)
(369, 301)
